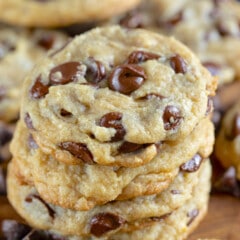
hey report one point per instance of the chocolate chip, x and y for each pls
(235, 127)
(78, 150)
(5, 135)
(13, 230)
(172, 21)
(65, 113)
(192, 165)
(222, 30)
(171, 117)
(46, 41)
(3, 187)
(128, 147)
(151, 96)
(227, 183)
(178, 64)
(30, 198)
(105, 222)
(96, 71)
(65, 73)
(132, 19)
(28, 121)
(127, 78)
(39, 89)
(141, 56)
(212, 67)
(113, 120)
(192, 215)
(31, 142)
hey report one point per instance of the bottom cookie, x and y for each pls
(107, 223)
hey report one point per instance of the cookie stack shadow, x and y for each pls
(80, 177)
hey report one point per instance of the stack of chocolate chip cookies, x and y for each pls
(114, 138)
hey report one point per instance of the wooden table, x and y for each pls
(222, 221)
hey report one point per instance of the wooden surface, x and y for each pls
(222, 221)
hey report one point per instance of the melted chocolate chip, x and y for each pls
(171, 117)
(212, 67)
(113, 120)
(65, 113)
(5, 135)
(13, 230)
(192, 165)
(128, 147)
(132, 19)
(105, 222)
(28, 121)
(29, 199)
(127, 78)
(141, 56)
(65, 73)
(178, 64)
(3, 187)
(192, 215)
(235, 128)
(31, 142)
(39, 89)
(78, 150)
(227, 183)
(96, 71)
(46, 41)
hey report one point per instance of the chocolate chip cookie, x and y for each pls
(75, 186)
(49, 13)
(124, 216)
(113, 103)
(19, 51)
(228, 141)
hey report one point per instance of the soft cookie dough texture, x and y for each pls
(53, 13)
(112, 95)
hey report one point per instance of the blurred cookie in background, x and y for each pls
(52, 13)
(19, 51)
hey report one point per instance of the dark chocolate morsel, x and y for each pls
(105, 222)
(78, 150)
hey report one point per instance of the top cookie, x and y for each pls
(46, 13)
(114, 92)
